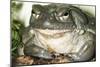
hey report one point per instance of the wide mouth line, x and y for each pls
(52, 32)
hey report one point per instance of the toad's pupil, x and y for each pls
(65, 14)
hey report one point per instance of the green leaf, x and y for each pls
(13, 48)
(16, 26)
(15, 35)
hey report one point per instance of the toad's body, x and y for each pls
(62, 30)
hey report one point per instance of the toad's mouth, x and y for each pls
(52, 33)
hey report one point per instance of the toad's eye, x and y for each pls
(63, 17)
(65, 14)
(35, 14)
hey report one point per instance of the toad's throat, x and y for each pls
(57, 40)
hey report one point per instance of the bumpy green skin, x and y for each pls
(48, 18)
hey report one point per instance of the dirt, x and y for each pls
(27, 60)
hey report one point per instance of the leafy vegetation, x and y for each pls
(16, 28)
